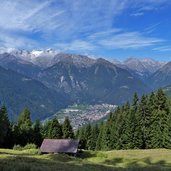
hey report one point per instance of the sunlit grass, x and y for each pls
(130, 160)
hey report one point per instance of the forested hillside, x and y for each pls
(143, 124)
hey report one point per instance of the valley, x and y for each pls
(80, 115)
(52, 81)
(85, 85)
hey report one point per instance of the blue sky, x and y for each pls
(113, 29)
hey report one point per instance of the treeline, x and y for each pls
(143, 124)
(24, 131)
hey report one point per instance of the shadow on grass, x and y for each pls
(66, 163)
(19, 163)
(136, 164)
(86, 154)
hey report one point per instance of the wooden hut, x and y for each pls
(67, 146)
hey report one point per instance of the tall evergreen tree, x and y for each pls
(106, 137)
(25, 127)
(88, 136)
(55, 130)
(99, 143)
(161, 117)
(67, 129)
(144, 116)
(5, 128)
(46, 128)
(82, 138)
(24, 120)
(37, 136)
(93, 137)
(125, 132)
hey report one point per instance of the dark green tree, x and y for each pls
(5, 128)
(93, 137)
(46, 128)
(25, 127)
(160, 125)
(67, 129)
(144, 120)
(55, 129)
(88, 136)
(37, 136)
(82, 138)
(24, 120)
(99, 143)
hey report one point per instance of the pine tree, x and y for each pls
(67, 129)
(99, 143)
(144, 122)
(24, 120)
(114, 127)
(106, 137)
(160, 127)
(46, 128)
(125, 137)
(5, 128)
(55, 129)
(25, 127)
(15, 134)
(88, 136)
(93, 137)
(37, 136)
(135, 102)
(82, 138)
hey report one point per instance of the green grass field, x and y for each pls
(117, 160)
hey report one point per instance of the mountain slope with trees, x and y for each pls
(100, 82)
(18, 91)
(143, 124)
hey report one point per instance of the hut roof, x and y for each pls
(59, 146)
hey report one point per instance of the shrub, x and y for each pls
(26, 147)
(29, 146)
(17, 147)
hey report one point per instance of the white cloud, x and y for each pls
(77, 45)
(127, 40)
(137, 14)
(8, 41)
(163, 48)
(78, 24)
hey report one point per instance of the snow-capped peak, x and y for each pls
(48, 52)
(36, 52)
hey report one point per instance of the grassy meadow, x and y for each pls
(117, 160)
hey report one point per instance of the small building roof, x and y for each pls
(59, 146)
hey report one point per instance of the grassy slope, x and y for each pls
(130, 160)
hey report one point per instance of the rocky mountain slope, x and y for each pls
(162, 77)
(142, 68)
(48, 80)
(100, 82)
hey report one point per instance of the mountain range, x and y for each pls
(46, 81)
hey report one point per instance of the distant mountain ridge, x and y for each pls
(143, 68)
(161, 77)
(60, 79)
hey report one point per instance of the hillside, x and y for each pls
(18, 65)
(161, 77)
(98, 82)
(128, 160)
(18, 91)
